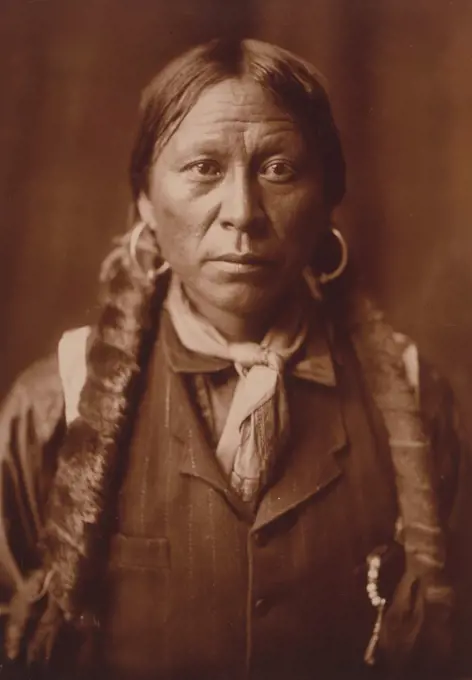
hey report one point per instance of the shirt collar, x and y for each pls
(314, 361)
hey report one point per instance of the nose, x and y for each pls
(240, 206)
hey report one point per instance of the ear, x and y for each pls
(146, 210)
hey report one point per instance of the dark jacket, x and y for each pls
(198, 586)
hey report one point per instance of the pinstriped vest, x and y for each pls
(199, 587)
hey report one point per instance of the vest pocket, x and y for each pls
(136, 609)
(139, 552)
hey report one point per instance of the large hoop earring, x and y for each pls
(134, 237)
(326, 277)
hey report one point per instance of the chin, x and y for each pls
(241, 298)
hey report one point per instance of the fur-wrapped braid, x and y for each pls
(77, 522)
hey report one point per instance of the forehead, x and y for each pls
(236, 99)
(232, 107)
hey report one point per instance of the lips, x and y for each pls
(231, 267)
(243, 259)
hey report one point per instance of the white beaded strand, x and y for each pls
(378, 602)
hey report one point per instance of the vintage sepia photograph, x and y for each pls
(235, 366)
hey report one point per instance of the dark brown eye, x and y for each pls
(278, 171)
(205, 169)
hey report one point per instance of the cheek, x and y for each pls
(298, 217)
(179, 226)
(174, 230)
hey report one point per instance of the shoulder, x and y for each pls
(434, 393)
(50, 388)
(36, 398)
(411, 360)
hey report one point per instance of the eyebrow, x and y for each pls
(273, 142)
(279, 139)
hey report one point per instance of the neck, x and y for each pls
(234, 327)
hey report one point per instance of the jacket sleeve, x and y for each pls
(451, 445)
(460, 548)
(31, 428)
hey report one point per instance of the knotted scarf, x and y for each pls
(257, 426)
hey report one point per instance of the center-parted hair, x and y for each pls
(293, 83)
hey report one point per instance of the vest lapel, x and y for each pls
(311, 465)
(197, 458)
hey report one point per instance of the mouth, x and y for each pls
(232, 266)
(247, 259)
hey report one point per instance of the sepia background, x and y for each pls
(400, 79)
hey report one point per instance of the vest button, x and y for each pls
(261, 606)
